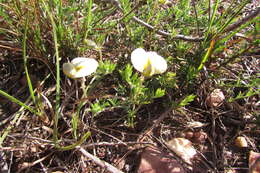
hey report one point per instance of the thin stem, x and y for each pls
(25, 62)
(100, 54)
(88, 19)
(209, 10)
(196, 15)
(57, 106)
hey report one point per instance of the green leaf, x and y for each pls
(98, 107)
(168, 80)
(159, 93)
(127, 73)
(106, 67)
(74, 124)
(247, 94)
(187, 100)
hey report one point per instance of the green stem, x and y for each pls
(72, 146)
(88, 19)
(25, 62)
(57, 106)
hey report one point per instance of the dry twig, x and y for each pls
(27, 165)
(101, 163)
(243, 20)
(183, 37)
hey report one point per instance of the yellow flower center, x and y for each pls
(148, 69)
(79, 67)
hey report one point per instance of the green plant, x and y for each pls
(139, 93)
(193, 34)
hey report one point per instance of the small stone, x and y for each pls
(241, 142)
(215, 99)
(183, 148)
(254, 162)
(155, 161)
(200, 137)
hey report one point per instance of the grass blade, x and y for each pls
(207, 55)
(25, 62)
(78, 143)
(57, 106)
(232, 17)
(15, 100)
(212, 18)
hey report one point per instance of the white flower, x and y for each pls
(80, 67)
(148, 63)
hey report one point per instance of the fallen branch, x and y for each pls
(101, 163)
(243, 20)
(115, 144)
(150, 27)
(183, 37)
(167, 34)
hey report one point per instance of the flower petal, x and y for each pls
(69, 70)
(159, 63)
(84, 66)
(139, 59)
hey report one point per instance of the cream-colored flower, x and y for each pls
(80, 67)
(148, 63)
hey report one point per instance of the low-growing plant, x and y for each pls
(193, 35)
(137, 93)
